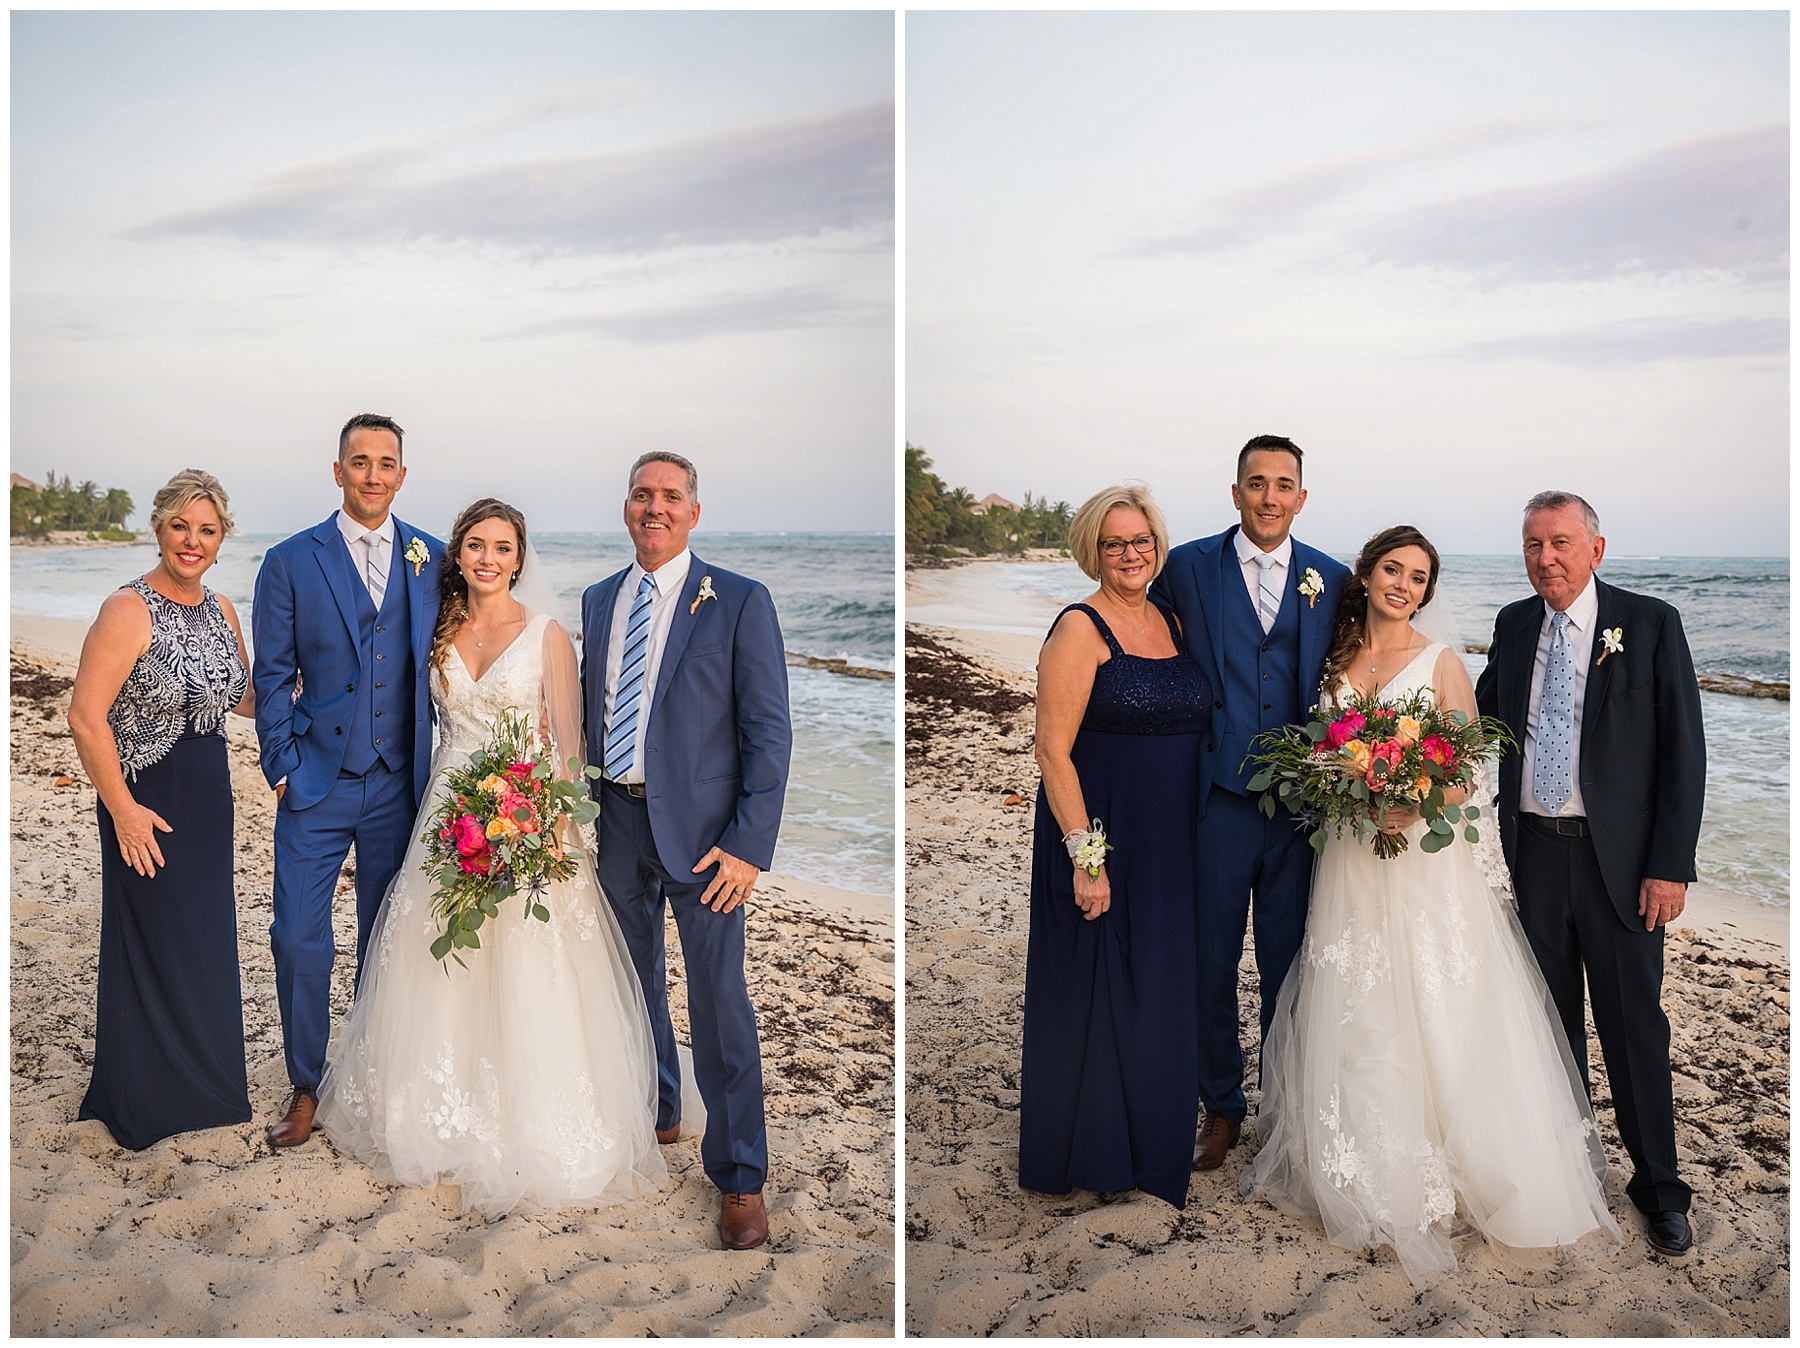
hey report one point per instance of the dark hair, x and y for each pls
(1279, 443)
(1353, 603)
(453, 590)
(370, 421)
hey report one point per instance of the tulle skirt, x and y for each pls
(527, 1076)
(1416, 1070)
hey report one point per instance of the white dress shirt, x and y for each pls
(1584, 617)
(1248, 552)
(666, 583)
(359, 548)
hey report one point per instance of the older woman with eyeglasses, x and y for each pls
(1111, 1084)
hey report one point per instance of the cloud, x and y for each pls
(769, 311)
(1285, 201)
(1717, 204)
(1639, 341)
(831, 171)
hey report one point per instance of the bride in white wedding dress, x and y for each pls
(1416, 1068)
(528, 1075)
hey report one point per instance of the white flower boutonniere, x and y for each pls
(706, 592)
(1613, 638)
(417, 554)
(1312, 585)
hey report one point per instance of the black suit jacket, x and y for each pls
(1643, 745)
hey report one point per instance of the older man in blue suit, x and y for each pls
(685, 682)
(1257, 606)
(342, 623)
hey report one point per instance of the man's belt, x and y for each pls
(1568, 826)
(629, 788)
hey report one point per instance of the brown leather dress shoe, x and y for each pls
(297, 1126)
(1218, 1137)
(743, 1222)
(668, 1135)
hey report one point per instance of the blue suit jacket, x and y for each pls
(718, 741)
(1193, 584)
(304, 623)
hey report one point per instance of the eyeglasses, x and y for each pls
(1115, 547)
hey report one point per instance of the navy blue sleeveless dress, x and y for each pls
(1110, 1091)
(169, 1029)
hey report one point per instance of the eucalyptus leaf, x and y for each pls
(1453, 813)
(1441, 827)
(1434, 842)
(541, 913)
(441, 947)
(1261, 781)
(1317, 839)
(1266, 803)
(1470, 833)
(1470, 811)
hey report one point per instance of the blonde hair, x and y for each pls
(181, 491)
(1084, 528)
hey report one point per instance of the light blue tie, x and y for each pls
(377, 569)
(1551, 780)
(634, 664)
(1268, 599)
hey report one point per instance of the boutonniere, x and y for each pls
(1613, 638)
(1312, 585)
(417, 554)
(706, 592)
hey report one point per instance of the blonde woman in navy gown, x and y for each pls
(1110, 1089)
(161, 667)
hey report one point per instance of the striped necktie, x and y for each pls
(1552, 781)
(634, 664)
(377, 569)
(1268, 598)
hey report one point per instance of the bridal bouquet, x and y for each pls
(499, 831)
(1347, 767)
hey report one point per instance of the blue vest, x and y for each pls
(1262, 674)
(382, 724)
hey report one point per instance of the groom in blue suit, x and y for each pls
(685, 683)
(1257, 607)
(342, 622)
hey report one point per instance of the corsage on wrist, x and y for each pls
(1088, 848)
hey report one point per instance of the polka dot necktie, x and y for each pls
(1268, 598)
(1551, 781)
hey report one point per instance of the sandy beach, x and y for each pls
(985, 1257)
(214, 1233)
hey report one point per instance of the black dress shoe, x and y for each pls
(1670, 1232)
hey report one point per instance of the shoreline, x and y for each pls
(211, 1233)
(58, 641)
(985, 1257)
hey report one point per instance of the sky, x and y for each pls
(543, 242)
(1459, 258)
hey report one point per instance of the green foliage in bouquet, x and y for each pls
(499, 830)
(1347, 768)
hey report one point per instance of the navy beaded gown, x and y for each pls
(1110, 1090)
(169, 1028)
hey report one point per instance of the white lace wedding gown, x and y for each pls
(529, 1075)
(1416, 1064)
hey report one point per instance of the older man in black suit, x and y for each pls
(1599, 815)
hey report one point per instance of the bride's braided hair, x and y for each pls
(453, 590)
(1353, 603)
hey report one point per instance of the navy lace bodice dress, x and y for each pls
(1110, 1090)
(169, 1027)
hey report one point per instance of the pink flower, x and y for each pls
(471, 838)
(1439, 751)
(1345, 729)
(510, 805)
(477, 864)
(520, 771)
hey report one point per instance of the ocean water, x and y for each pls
(834, 594)
(1735, 613)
